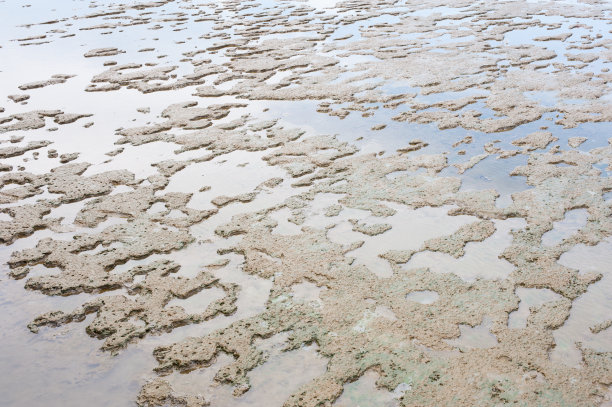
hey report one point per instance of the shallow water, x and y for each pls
(416, 91)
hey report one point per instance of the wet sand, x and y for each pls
(306, 203)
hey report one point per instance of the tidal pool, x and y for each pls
(305, 203)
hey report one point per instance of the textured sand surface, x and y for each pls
(306, 203)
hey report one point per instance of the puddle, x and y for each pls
(590, 309)
(197, 303)
(481, 259)
(530, 297)
(364, 393)
(479, 336)
(410, 229)
(271, 383)
(423, 297)
(574, 220)
(307, 292)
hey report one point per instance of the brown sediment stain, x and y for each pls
(66, 158)
(575, 142)
(103, 52)
(147, 302)
(55, 80)
(36, 119)
(19, 98)
(454, 244)
(12, 151)
(158, 392)
(601, 326)
(370, 230)
(535, 141)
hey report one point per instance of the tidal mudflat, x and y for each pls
(306, 203)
